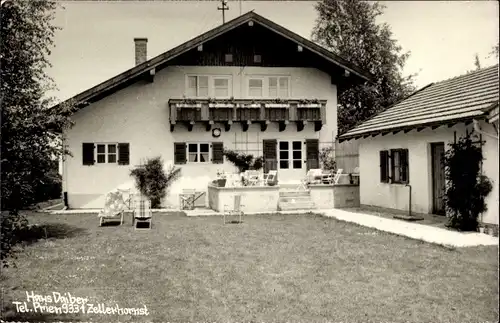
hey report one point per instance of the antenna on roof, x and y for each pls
(223, 8)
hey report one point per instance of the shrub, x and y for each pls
(244, 161)
(466, 188)
(12, 223)
(327, 159)
(153, 181)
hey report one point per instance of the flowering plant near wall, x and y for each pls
(244, 161)
(221, 174)
(327, 159)
(466, 187)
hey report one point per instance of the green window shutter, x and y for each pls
(384, 161)
(217, 152)
(270, 154)
(312, 153)
(123, 154)
(88, 153)
(179, 153)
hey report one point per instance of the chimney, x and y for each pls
(141, 50)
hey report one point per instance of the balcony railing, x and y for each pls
(244, 110)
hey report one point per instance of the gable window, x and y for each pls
(399, 166)
(197, 86)
(105, 153)
(221, 87)
(279, 87)
(198, 152)
(255, 87)
(204, 86)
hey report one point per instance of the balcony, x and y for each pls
(246, 112)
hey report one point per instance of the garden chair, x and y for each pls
(186, 199)
(253, 177)
(114, 207)
(310, 178)
(337, 176)
(235, 209)
(142, 212)
(271, 177)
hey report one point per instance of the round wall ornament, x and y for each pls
(216, 132)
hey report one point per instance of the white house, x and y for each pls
(249, 85)
(401, 148)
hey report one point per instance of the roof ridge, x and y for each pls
(472, 73)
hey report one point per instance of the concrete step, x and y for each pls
(294, 193)
(297, 198)
(297, 206)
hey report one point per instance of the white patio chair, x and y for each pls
(253, 177)
(337, 176)
(271, 177)
(235, 209)
(114, 207)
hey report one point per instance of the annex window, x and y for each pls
(384, 166)
(279, 87)
(399, 166)
(197, 86)
(255, 87)
(105, 153)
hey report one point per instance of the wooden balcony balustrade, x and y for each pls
(190, 111)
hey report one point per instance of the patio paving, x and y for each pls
(412, 230)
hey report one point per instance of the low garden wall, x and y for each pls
(328, 196)
(253, 198)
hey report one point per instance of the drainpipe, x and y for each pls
(409, 198)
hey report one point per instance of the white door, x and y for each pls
(291, 167)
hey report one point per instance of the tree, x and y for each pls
(30, 123)
(494, 51)
(349, 28)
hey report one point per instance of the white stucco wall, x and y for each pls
(138, 115)
(396, 196)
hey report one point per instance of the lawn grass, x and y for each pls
(273, 268)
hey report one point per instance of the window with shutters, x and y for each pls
(105, 153)
(399, 166)
(290, 154)
(198, 152)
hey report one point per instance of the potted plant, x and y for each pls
(221, 178)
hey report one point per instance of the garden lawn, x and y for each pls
(269, 268)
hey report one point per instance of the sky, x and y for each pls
(96, 39)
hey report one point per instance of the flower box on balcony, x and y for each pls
(309, 105)
(253, 105)
(188, 105)
(221, 105)
(277, 105)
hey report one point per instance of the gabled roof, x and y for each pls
(461, 98)
(112, 84)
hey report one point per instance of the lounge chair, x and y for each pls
(337, 176)
(186, 199)
(253, 177)
(271, 178)
(114, 208)
(235, 209)
(142, 212)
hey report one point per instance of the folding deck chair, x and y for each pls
(142, 212)
(271, 177)
(186, 199)
(114, 207)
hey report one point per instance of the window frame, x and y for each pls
(290, 150)
(260, 78)
(385, 163)
(278, 86)
(198, 152)
(403, 164)
(211, 85)
(106, 153)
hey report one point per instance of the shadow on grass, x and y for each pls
(33, 233)
(10, 314)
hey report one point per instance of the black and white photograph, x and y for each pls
(249, 161)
